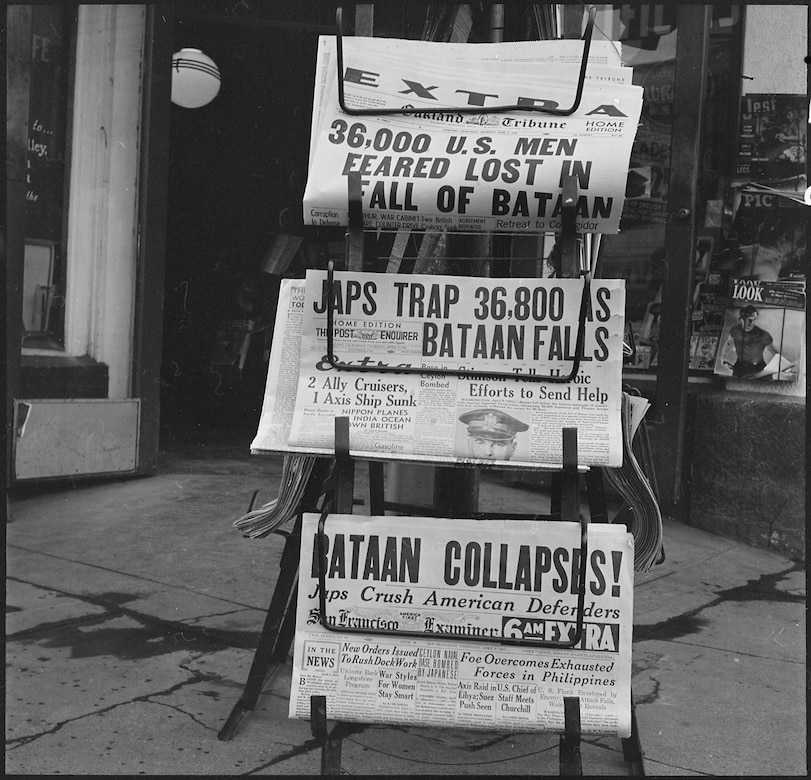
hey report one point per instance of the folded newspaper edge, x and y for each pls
(258, 523)
(630, 481)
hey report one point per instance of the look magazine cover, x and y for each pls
(763, 331)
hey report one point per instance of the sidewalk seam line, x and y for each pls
(136, 577)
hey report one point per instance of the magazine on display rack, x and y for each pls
(767, 239)
(764, 262)
(764, 331)
(709, 308)
(773, 140)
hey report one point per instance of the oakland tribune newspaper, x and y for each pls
(486, 171)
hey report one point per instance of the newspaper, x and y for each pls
(436, 323)
(478, 580)
(605, 61)
(470, 172)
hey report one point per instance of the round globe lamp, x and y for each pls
(195, 78)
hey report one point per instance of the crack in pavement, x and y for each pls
(653, 696)
(181, 711)
(197, 677)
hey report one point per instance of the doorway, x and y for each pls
(237, 169)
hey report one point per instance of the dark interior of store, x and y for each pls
(237, 170)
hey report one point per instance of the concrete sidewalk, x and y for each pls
(133, 609)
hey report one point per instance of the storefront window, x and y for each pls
(649, 35)
(44, 274)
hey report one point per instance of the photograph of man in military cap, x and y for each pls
(491, 433)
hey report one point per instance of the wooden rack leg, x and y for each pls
(268, 649)
(570, 478)
(344, 469)
(354, 233)
(279, 626)
(565, 497)
(595, 492)
(330, 742)
(570, 263)
(377, 498)
(571, 764)
(632, 747)
(344, 477)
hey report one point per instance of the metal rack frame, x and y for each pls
(531, 107)
(356, 225)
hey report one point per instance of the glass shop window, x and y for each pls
(648, 33)
(46, 173)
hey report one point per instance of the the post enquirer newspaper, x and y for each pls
(521, 327)
(473, 580)
(470, 172)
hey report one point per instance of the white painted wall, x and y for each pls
(102, 216)
(775, 45)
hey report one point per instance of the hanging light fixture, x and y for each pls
(195, 78)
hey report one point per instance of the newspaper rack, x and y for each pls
(330, 489)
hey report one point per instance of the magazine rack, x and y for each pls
(331, 486)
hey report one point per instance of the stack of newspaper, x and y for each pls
(256, 523)
(631, 482)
